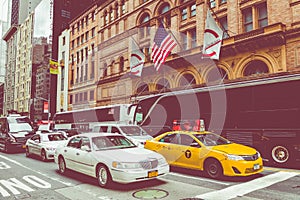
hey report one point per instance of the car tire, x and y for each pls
(62, 165)
(103, 176)
(43, 155)
(27, 153)
(213, 168)
(280, 154)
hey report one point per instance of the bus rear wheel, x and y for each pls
(280, 154)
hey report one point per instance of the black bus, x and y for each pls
(262, 113)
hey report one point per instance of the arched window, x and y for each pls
(165, 14)
(162, 84)
(255, 67)
(187, 79)
(143, 87)
(216, 74)
(145, 25)
(121, 64)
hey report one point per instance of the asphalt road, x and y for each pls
(30, 178)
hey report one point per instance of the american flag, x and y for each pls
(162, 46)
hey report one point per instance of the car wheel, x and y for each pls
(103, 176)
(213, 168)
(27, 153)
(43, 155)
(280, 154)
(62, 165)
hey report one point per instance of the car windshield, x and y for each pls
(18, 120)
(211, 139)
(111, 142)
(133, 130)
(52, 137)
(18, 127)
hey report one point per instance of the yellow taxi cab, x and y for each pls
(208, 152)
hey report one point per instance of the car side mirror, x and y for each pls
(195, 144)
(85, 148)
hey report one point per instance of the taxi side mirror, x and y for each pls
(195, 144)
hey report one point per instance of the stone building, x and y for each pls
(261, 39)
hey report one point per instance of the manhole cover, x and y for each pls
(150, 194)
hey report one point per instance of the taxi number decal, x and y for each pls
(188, 153)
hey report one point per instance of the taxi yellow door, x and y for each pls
(167, 147)
(188, 152)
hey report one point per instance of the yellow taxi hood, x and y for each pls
(236, 149)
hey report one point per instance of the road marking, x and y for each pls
(196, 178)
(282, 170)
(245, 188)
(34, 170)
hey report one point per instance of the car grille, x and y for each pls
(251, 157)
(149, 164)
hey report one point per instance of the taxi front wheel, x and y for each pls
(213, 168)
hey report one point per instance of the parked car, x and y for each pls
(14, 131)
(44, 144)
(133, 132)
(109, 158)
(207, 152)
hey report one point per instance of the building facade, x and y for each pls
(62, 77)
(261, 39)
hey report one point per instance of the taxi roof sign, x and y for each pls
(189, 125)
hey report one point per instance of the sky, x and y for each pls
(42, 24)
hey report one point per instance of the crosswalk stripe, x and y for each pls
(245, 188)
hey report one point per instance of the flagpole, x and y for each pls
(169, 31)
(213, 12)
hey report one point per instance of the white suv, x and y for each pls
(133, 132)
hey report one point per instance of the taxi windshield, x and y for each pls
(19, 127)
(211, 139)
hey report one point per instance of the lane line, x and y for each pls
(38, 172)
(196, 178)
(245, 188)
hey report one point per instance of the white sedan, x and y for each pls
(109, 158)
(44, 144)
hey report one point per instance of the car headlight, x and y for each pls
(126, 165)
(162, 161)
(234, 157)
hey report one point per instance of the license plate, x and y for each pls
(256, 167)
(152, 174)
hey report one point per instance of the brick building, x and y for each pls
(262, 39)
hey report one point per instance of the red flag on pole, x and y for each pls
(213, 36)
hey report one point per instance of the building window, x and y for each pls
(257, 12)
(193, 38)
(262, 15)
(85, 96)
(121, 66)
(184, 14)
(64, 41)
(193, 10)
(87, 20)
(93, 32)
(92, 95)
(187, 80)
(255, 67)
(87, 36)
(184, 41)
(224, 25)
(145, 26)
(165, 14)
(92, 70)
(216, 74)
(212, 3)
(78, 41)
(248, 20)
